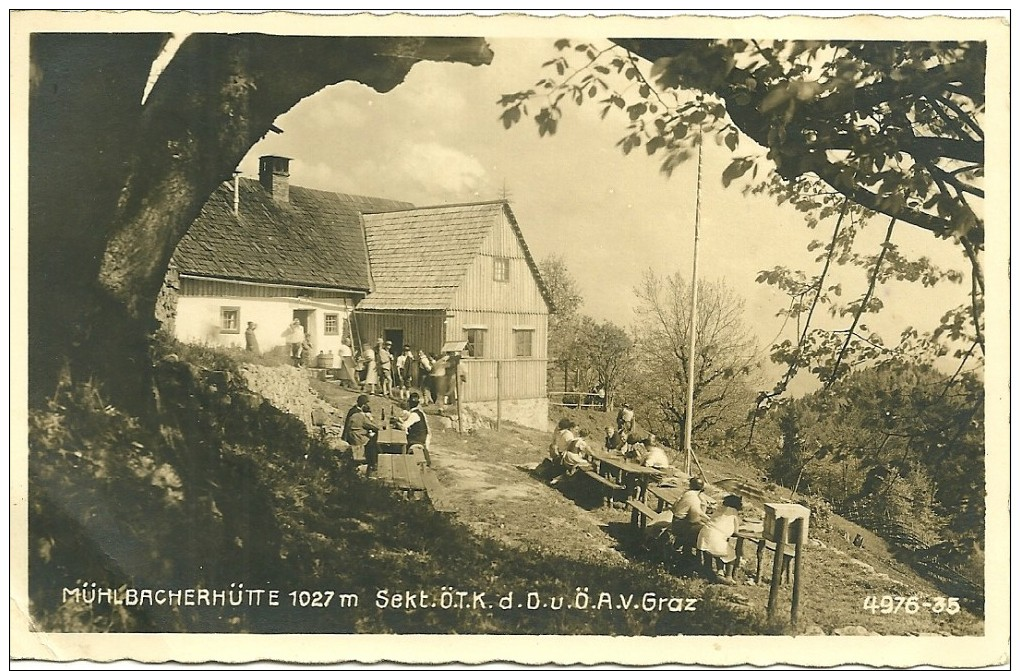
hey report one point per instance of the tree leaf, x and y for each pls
(731, 140)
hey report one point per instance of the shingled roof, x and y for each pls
(419, 256)
(316, 239)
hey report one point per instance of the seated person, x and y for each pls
(635, 444)
(561, 438)
(655, 456)
(417, 428)
(575, 456)
(713, 539)
(689, 515)
(364, 432)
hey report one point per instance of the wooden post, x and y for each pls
(796, 529)
(761, 556)
(499, 409)
(777, 566)
(456, 387)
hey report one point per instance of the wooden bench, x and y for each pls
(609, 485)
(763, 545)
(403, 472)
(641, 513)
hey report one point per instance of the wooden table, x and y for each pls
(629, 477)
(392, 441)
(750, 532)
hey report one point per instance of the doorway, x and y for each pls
(307, 319)
(395, 336)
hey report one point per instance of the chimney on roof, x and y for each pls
(274, 174)
(237, 193)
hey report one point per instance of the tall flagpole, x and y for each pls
(692, 338)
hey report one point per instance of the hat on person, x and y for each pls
(362, 400)
(733, 501)
(389, 342)
(407, 348)
(696, 483)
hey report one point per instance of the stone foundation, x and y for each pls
(530, 412)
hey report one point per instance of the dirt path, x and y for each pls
(487, 481)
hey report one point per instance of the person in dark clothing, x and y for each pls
(362, 401)
(417, 428)
(251, 341)
(364, 433)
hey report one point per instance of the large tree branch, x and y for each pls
(864, 303)
(834, 175)
(217, 98)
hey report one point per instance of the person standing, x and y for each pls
(251, 343)
(370, 374)
(405, 362)
(294, 336)
(440, 379)
(425, 376)
(385, 357)
(417, 428)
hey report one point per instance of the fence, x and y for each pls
(578, 399)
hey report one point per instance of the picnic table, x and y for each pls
(750, 532)
(617, 474)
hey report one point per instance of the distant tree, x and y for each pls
(726, 357)
(608, 354)
(564, 322)
(908, 439)
(797, 450)
(852, 129)
(117, 177)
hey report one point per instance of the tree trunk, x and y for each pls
(115, 184)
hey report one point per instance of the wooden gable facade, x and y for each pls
(463, 273)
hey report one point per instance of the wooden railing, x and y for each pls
(577, 399)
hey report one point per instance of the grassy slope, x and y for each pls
(839, 576)
(282, 512)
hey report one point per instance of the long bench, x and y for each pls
(641, 513)
(610, 486)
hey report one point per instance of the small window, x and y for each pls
(331, 324)
(230, 320)
(501, 269)
(522, 342)
(475, 343)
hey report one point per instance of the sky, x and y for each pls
(437, 139)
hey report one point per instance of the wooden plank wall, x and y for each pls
(422, 330)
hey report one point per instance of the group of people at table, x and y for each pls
(692, 525)
(362, 430)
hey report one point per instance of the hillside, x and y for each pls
(489, 484)
(237, 491)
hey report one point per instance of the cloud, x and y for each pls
(442, 169)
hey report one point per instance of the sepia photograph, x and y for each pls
(634, 339)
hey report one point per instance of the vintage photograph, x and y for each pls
(645, 340)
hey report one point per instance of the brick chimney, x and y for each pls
(274, 173)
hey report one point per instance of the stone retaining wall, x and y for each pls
(287, 389)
